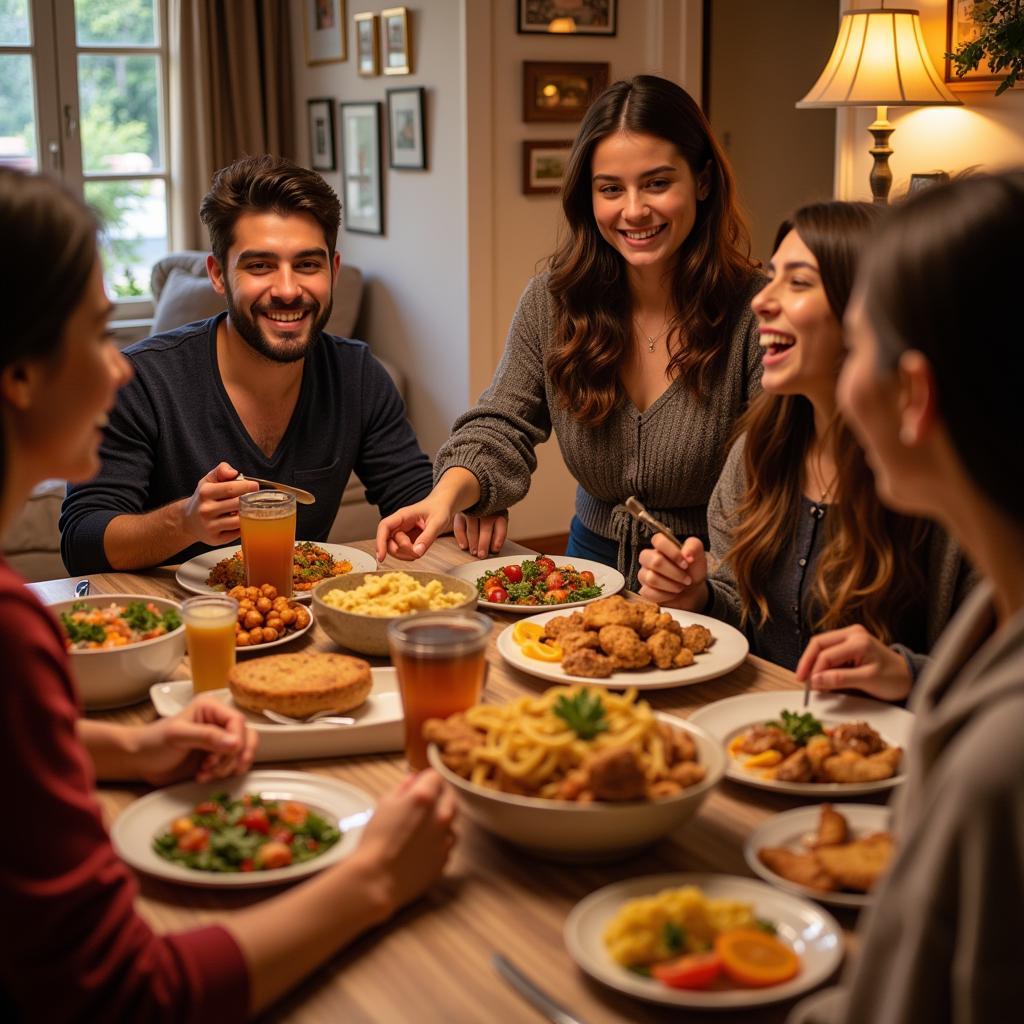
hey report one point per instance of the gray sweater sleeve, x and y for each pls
(495, 440)
(723, 593)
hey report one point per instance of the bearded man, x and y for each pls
(258, 389)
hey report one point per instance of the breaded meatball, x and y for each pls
(664, 646)
(588, 663)
(624, 647)
(683, 659)
(858, 737)
(616, 774)
(613, 611)
(553, 628)
(576, 639)
(679, 745)
(697, 638)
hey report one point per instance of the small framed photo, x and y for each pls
(363, 197)
(367, 44)
(569, 17)
(321, 135)
(561, 91)
(325, 31)
(544, 165)
(394, 27)
(918, 182)
(407, 145)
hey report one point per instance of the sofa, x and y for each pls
(182, 293)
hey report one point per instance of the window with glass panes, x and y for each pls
(83, 97)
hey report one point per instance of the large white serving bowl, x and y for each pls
(570, 831)
(115, 676)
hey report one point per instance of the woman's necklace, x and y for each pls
(652, 339)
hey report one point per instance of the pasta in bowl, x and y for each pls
(575, 773)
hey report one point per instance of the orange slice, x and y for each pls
(523, 631)
(755, 958)
(542, 652)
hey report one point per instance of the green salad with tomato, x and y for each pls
(537, 581)
(246, 834)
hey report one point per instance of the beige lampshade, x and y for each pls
(879, 59)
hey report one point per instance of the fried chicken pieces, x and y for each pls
(614, 634)
(832, 861)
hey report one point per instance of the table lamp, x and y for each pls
(879, 60)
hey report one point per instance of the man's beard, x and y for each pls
(281, 351)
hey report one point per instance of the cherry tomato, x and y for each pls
(293, 813)
(181, 826)
(493, 581)
(587, 578)
(273, 855)
(695, 970)
(497, 595)
(195, 840)
(513, 573)
(546, 564)
(554, 580)
(256, 820)
(247, 865)
(208, 807)
(559, 596)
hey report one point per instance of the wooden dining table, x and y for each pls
(432, 961)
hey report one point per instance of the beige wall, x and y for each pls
(986, 132)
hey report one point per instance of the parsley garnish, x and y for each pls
(673, 936)
(799, 728)
(583, 713)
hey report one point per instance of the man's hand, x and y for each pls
(481, 535)
(210, 515)
(851, 658)
(674, 577)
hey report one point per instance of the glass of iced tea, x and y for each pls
(441, 669)
(268, 538)
(210, 635)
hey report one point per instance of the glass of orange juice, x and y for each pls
(441, 667)
(268, 538)
(210, 635)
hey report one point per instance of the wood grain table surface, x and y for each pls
(431, 963)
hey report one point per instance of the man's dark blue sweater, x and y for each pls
(174, 422)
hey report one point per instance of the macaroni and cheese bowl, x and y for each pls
(114, 676)
(355, 610)
(567, 830)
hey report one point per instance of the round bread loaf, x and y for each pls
(301, 684)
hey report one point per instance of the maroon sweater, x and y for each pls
(72, 946)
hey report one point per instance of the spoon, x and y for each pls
(321, 718)
(301, 496)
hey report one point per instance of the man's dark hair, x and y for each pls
(266, 184)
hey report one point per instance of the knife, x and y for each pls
(301, 496)
(535, 996)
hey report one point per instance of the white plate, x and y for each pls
(379, 727)
(811, 932)
(611, 580)
(191, 575)
(729, 650)
(286, 639)
(788, 830)
(728, 718)
(135, 828)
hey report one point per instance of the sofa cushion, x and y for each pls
(32, 542)
(185, 298)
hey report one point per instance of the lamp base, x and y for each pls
(881, 175)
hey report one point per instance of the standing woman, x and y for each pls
(931, 387)
(805, 547)
(637, 346)
(72, 947)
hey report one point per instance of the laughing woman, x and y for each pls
(806, 547)
(941, 423)
(72, 947)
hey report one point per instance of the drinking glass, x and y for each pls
(210, 636)
(268, 539)
(441, 669)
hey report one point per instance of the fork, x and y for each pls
(321, 718)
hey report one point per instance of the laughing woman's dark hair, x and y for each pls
(588, 280)
(45, 263)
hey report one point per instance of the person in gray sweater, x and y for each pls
(810, 564)
(636, 347)
(941, 424)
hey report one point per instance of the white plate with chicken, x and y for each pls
(836, 747)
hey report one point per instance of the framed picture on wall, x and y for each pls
(544, 165)
(321, 135)
(961, 28)
(407, 145)
(325, 30)
(561, 91)
(569, 17)
(394, 28)
(363, 195)
(367, 44)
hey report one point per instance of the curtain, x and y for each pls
(230, 95)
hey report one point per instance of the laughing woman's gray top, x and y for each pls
(669, 456)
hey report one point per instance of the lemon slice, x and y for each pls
(542, 652)
(524, 631)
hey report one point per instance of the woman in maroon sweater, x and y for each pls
(72, 946)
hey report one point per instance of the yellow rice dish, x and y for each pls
(393, 593)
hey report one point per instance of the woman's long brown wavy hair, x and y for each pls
(712, 273)
(870, 569)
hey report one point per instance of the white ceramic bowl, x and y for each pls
(115, 676)
(368, 634)
(564, 830)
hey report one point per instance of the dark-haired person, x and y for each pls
(941, 426)
(805, 547)
(259, 389)
(637, 345)
(72, 947)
